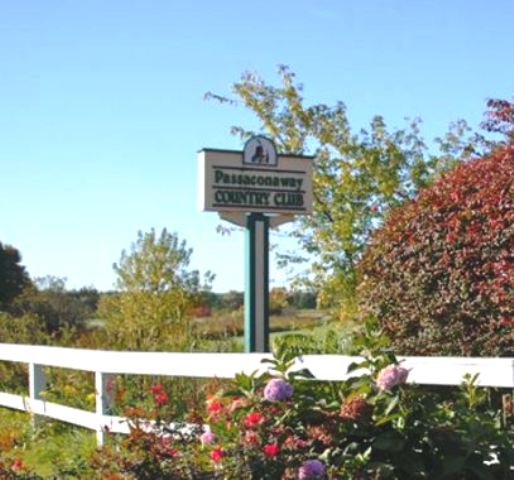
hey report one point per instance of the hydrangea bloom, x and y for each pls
(390, 376)
(311, 469)
(277, 389)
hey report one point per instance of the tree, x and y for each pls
(232, 300)
(13, 276)
(56, 307)
(357, 177)
(278, 300)
(303, 299)
(156, 290)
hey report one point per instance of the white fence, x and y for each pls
(493, 372)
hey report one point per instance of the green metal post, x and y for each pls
(257, 283)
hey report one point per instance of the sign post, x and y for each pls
(255, 189)
(257, 283)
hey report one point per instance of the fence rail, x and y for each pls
(493, 372)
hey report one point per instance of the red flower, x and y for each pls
(17, 465)
(161, 399)
(217, 454)
(271, 449)
(159, 395)
(253, 419)
(214, 406)
(156, 389)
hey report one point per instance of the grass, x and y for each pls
(50, 449)
(231, 324)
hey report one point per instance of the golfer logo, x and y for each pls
(260, 151)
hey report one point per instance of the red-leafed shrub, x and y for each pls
(439, 274)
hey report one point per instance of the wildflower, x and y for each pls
(213, 406)
(355, 409)
(390, 376)
(159, 395)
(277, 390)
(17, 465)
(217, 454)
(253, 419)
(69, 390)
(311, 469)
(207, 437)
(271, 449)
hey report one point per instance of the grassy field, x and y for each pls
(231, 324)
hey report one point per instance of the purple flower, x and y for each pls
(277, 389)
(311, 469)
(207, 437)
(390, 376)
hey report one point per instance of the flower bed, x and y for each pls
(287, 426)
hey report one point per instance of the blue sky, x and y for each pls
(102, 110)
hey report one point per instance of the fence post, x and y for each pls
(103, 403)
(37, 383)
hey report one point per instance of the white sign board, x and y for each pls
(256, 180)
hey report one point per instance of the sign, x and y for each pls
(257, 189)
(256, 180)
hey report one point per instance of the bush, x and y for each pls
(439, 275)
(283, 426)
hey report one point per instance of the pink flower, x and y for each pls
(311, 469)
(207, 437)
(271, 449)
(390, 376)
(277, 390)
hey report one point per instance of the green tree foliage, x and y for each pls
(303, 299)
(439, 274)
(54, 306)
(13, 276)
(232, 300)
(156, 290)
(357, 176)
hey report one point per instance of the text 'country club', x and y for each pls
(258, 190)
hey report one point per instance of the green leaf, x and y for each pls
(389, 441)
